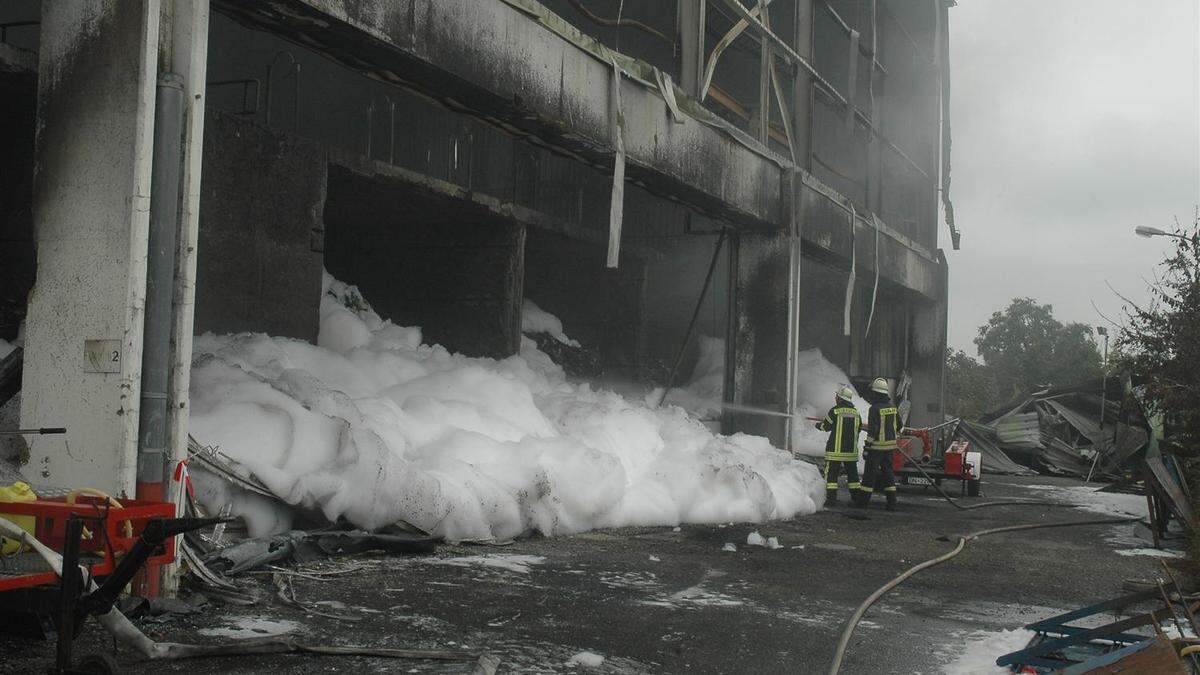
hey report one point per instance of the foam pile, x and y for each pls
(704, 393)
(373, 426)
(817, 380)
(534, 319)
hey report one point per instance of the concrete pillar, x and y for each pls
(760, 360)
(96, 86)
(927, 359)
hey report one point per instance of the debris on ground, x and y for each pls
(1148, 630)
(756, 539)
(587, 660)
(300, 546)
(1092, 428)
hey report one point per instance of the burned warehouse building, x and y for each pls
(692, 181)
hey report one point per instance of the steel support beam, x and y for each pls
(802, 94)
(764, 80)
(691, 46)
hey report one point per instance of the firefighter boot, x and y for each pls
(830, 497)
(860, 498)
(891, 501)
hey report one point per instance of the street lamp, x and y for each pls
(1147, 232)
(1101, 330)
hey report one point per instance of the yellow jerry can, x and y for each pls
(17, 492)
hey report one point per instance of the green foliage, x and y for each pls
(970, 387)
(1161, 341)
(1025, 347)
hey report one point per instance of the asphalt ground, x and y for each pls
(661, 599)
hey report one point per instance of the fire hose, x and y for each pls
(857, 616)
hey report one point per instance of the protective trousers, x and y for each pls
(834, 469)
(879, 475)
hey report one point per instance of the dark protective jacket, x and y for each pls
(844, 424)
(883, 425)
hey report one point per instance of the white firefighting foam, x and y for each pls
(375, 427)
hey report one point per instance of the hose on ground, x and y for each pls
(955, 504)
(857, 616)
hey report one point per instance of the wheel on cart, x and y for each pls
(973, 488)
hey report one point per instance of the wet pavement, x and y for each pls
(665, 599)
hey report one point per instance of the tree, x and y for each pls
(1025, 348)
(970, 386)
(1161, 341)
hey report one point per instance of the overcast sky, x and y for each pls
(1073, 121)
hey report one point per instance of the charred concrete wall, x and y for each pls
(822, 303)
(83, 352)
(928, 357)
(18, 102)
(760, 347)
(261, 231)
(453, 269)
(602, 309)
(636, 316)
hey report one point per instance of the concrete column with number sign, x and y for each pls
(83, 348)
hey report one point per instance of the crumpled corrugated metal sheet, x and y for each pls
(1059, 458)
(1022, 430)
(995, 460)
(1128, 439)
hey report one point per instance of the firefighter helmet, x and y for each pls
(846, 393)
(880, 386)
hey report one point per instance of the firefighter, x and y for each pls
(841, 450)
(883, 428)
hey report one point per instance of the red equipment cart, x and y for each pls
(111, 533)
(937, 461)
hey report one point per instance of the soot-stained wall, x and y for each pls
(602, 309)
(261, 231)
(18, 100)
(822, 306)
(426, 260)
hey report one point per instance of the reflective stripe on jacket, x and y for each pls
(883, 427)
(844, 424)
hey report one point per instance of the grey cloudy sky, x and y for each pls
(1074, 121)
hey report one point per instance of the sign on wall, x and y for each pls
(101, 356)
